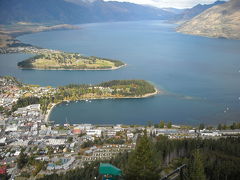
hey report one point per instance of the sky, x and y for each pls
(169, 3)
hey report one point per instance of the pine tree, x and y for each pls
(142, 164)
(201, 126)
(22, 160)
(161, 124)
(219, 127)
(196, 169)
(169, 125)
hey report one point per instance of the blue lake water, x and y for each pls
(200, 75)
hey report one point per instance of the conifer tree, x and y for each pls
(142, 164)
(22, 160)
(196, 168)
(161, 124)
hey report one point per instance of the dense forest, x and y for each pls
(115, 88)
(26, 101)
(154, 157)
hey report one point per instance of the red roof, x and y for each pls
(76, 131)
(3, 170)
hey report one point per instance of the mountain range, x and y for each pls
(75, 11)
(221, 21)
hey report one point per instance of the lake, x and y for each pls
(199, 75)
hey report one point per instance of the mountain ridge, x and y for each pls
(196, 10)
(75, 11)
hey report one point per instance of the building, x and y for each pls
(94, 132)
(210, 133)
(3, 170)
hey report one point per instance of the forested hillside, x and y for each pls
(154, 157)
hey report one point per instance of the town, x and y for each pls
(26, 133)
(28, 49)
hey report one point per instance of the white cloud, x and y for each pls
(169, 3)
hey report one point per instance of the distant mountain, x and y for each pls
(218, 21)
(198, 9)
(174, 10)
(75, 11)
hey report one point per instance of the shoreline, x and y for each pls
(9, 35)
(49, 112)
(104, 98)
(30, 49)
(62, 69)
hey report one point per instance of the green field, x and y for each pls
(72, 61)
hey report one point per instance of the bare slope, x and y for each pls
(222, 21)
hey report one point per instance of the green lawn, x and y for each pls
(68, 61)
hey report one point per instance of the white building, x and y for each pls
(210, 133)
(94, 132)
(55, 142)
(130, 135)
(111, 133)
(11, 128)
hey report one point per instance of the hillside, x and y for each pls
(222, 21)
(74, 11)
(196, 10)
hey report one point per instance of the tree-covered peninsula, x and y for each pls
(69, 61)
(110, 89)
(48, 96)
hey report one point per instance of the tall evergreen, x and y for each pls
(142, 163)
(196, 168)
(22, 160)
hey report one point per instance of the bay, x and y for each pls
(199, 75)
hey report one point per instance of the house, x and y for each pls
(76, 130)
(94, 132)
(3, 170)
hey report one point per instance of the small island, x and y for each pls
(58, 60)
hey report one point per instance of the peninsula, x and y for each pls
(68, 61)
(110, 89)
(20, 95)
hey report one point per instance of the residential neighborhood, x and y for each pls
(60, 147)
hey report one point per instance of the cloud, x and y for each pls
(169, 3)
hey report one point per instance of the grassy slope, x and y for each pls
(68, 61)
